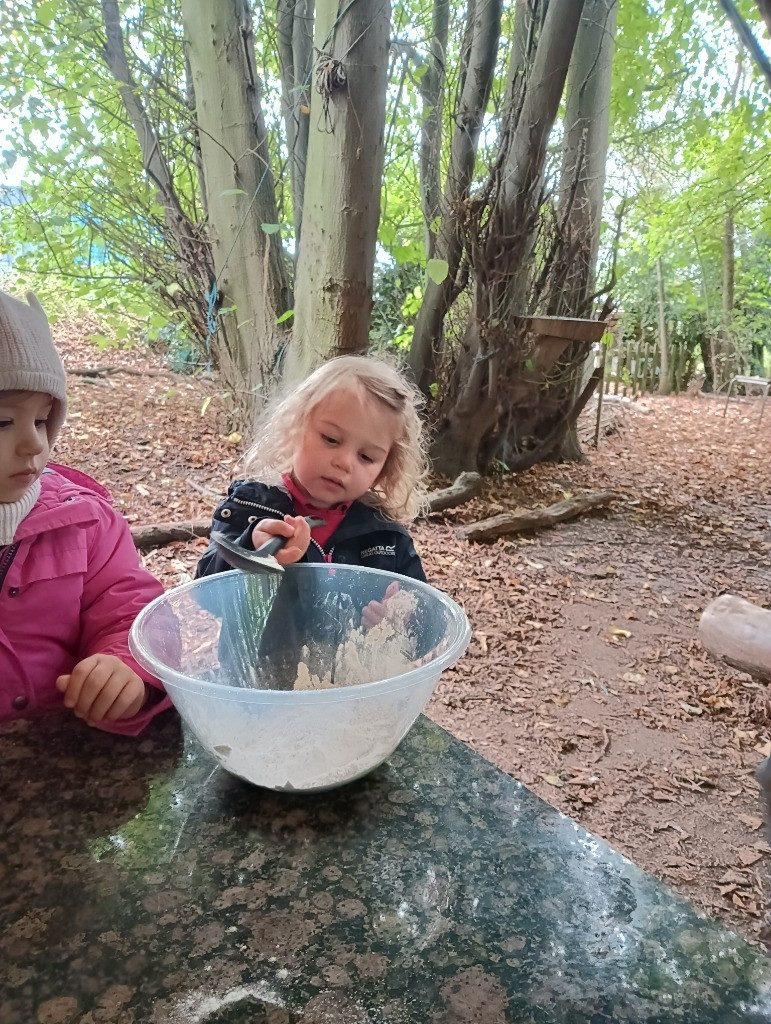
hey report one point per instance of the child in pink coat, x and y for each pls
(70, 580)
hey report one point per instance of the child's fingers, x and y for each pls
(95, 682)
(121, 697)
(129, 702)
(267, 528)
(376, 611)
(372, 614)
(288, 555)
(277, 527)
(72, 685)
(108, 694)
(298, 545)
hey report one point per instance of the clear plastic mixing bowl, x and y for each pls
(230, 648)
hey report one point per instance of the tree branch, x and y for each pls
(536, 519)
(744, 32)
(764, 6)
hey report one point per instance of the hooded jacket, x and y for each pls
(70, 586)
(364, 537)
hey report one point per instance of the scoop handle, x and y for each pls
(270, 547)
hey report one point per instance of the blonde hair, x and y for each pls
(400, 490)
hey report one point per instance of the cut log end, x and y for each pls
(738, 633)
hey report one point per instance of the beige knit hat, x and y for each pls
(28, 359)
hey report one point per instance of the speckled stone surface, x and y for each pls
(140, 884)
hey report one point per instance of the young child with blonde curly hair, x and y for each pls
(346, 446)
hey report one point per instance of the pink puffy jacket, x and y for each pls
(70, 586)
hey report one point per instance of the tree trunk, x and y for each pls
(432, 96)
(727, 361)
(582, 180)
(665, 378)
(184, 237)
(707, 350)
(729, 241)
(492, 366)
(252, 287)
(585, 151)
(341, 206)
(295, 52)
(478, 66)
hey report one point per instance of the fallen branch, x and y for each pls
(204, 489)
(157, 534)
(462, 489)
(101, 382)
(630, 404)
(517, 522)
(108, 371)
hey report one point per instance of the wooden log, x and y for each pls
(536, 519)
(108, 371)
(462, 489)
(155, 535)
(738, 633)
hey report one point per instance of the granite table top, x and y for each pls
(142, 884)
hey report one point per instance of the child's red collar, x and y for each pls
(304, 507)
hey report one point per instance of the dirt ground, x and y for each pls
(584, 678)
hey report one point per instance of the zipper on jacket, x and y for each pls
(265, 508)
(7, 559)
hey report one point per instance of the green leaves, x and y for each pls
(437, 270)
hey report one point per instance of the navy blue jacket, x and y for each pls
(365, 537)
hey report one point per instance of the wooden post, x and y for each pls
(636, 374)
(665, 378)
(650, 366)
(600, 395)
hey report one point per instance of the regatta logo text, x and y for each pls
(384, 550)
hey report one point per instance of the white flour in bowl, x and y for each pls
(366, 655)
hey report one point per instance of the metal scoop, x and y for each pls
(260, 560)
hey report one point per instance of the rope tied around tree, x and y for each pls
(331, 77)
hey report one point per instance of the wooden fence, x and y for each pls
(633, 367)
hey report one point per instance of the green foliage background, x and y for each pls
(690, 141)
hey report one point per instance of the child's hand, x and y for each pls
(376, 611)
(102, 687)
(294, 527)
